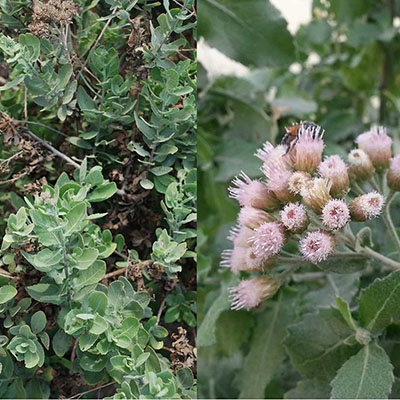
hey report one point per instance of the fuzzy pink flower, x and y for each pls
(393, 175)
(361, 167)
(240, 235)
(235, 259)
(268, 239)
(377, 144)
(253, 217)
(252, 193)
(335, 169)
(307, 153)
(366, 206)
(294, 217)
(297, 181)
(256, 262)
(274, 155)
(252, 292)
(278, 182)
(317, 246)
(335, 214)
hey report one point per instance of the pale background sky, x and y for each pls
(296, 12)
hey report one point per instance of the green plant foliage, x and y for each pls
(97, 198)
(332, 336)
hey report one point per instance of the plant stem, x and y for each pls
(388, 220)
(392, 264)
(308, 276)
(357, 188)
(374, 184)
(65, 262)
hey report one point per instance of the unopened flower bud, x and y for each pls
(268, 239)
(393, 175)
(360, 168)
(253, 193)
(317, 246)
(253, 217)
(335, 214)
(315, 194)
(252, 292)
(294, 217)
(297, 180)
(307, 154)
(366, 206)
(377, 144)
(335, 169)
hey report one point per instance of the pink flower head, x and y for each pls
(253, 217)
(307, 153)
(361, 167)
(297, 180)
(268, 239)
(252, 193)
(316, 193)
(274, 155)
(252, 292)
(366, 206)
(278, 181)
(377, 144)
(335, 169)
(255, 262)
(393, 175)
(294, 217)
(335, 214)
(240, 235)
(235, 259)
(317, 246)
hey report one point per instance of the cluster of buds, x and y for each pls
(304, 198)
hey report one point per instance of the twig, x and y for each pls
(58, 153)
(168, 35)
(77, 396)
(12, 180)
(26, 103)
(99, 38)
(52, 149)
(7, 160)
(42, 125)
(162, 306)
(74, 348)
(5, 273)
(121, 271)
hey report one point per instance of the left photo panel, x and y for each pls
(98, 199)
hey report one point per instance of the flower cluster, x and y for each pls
(307, 199)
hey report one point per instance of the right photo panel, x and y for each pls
(298, 227)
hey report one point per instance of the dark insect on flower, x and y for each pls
(293, 133)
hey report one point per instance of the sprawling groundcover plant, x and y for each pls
(314, 215)
(97, 199)
(115, 335)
